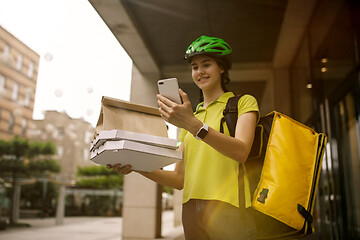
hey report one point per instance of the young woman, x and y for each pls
(213, 205)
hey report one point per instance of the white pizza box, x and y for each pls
(140, 156)
(116, 134)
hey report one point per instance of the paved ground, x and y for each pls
(82, 228)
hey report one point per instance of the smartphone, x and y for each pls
(169, 88)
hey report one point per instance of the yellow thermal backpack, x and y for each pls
(281, 173)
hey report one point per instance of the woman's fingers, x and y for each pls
(184, 96)
(176, 114)
(163, 107)
(166, 102)
(120, 169)
(166, 106)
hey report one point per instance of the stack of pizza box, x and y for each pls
(143, 152)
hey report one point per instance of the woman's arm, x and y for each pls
(237, 148)
(173, 179)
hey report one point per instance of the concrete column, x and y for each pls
(142, 208)
(60, 209)
(16, 209)
(142, 197)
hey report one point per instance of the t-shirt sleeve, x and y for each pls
(248, 103)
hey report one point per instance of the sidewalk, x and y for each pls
(83, 228)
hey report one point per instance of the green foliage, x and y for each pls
(168, 190)
(14, 151)
(7, 166)
(33, 169)
(34, 193)
(22, 147)
(95, 171)
(14, 155)
(41, 148)
(101, 182)
(39, 167)
(98, 177)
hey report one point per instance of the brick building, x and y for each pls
(18, 75)
(72, 138)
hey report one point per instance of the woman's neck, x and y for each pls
(210, 96)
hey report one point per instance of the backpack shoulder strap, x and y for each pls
(230, 114)
(230, 117)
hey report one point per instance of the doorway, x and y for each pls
(339, 187)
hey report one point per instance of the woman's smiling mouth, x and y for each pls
(202, 78)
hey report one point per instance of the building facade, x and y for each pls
(325, 94)
(72, 138)
(18, 75)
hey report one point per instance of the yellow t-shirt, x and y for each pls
(210, 175)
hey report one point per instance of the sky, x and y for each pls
(80, 59)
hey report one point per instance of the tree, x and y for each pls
(17, 158)
(98, 177)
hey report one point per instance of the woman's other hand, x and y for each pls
(120, 169)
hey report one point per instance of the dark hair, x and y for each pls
(225, 79)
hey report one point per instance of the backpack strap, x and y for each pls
(230, 117)
(230, 114)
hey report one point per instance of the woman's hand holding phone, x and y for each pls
(180, 115)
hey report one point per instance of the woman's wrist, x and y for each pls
(195, 126)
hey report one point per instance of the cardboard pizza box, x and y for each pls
(142, 157)
(116, 134)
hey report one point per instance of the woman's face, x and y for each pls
(206, 73)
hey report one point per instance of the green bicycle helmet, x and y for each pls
(208, 45)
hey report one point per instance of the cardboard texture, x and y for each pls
(143, 157)
(134, 134)
(111, 135)
(123, 115)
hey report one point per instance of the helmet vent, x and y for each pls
(219, 48)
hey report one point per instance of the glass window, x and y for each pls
(6, 49)
(23, 127)
(27, 98)
(11, 123)
(86, 154)
(347, 135)
(19, 62)
(15, 93)
(2, 86)
(2, 82)
(31, 70)
(88, 136)
(61, 133)
(60, 151)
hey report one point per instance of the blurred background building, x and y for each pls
(72, 138)
(18, 74)
(299, 58)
